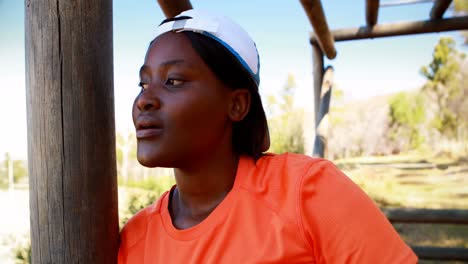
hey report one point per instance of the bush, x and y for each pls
(140, 194)
(21, 248)
(155, 184)
(23, 253)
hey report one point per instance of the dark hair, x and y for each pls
(249, 134)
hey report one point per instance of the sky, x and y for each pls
(281, 30)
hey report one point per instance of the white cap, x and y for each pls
(222, 29)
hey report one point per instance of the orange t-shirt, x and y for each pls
(282, 209)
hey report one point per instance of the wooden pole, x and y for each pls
(404, 2)
(322, 123)
(317, 57)
(399, 29)
(439, 8)
(372, 12)
(314, 11)
(171, 8)
(440, 216)
(71, 131)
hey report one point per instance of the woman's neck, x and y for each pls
(201, 188)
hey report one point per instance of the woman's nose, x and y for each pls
(147, 100)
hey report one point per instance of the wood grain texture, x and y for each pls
(71, 131)
(171, 8)
(322, 123)
(317, 71)
(424, 216)
(399, 29)
(372, 12)
(441, 253)
(439, 8)
(316, 15)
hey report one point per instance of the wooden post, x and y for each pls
(322, 123)
(439, 8)
(172, 8)
(71, 131)
(372, 12)
(317, 57)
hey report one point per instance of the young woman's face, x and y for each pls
(180, 114)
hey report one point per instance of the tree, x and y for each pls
(286, 123)
(444, 85)
(461, 7)
(126, 152)
(407, 113)
(12, 171)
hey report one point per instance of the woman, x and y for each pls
(199, 112)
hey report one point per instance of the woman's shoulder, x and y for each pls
(290, 159)
(290, 166)
(278, 179)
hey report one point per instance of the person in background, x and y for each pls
(199, 111)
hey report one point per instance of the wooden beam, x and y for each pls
(404, 2)
(441, 253)
(314, 11)
(71, 131)
(372, 12)
(171, 8)
(438, 216)
(399, 29)
(439, 8)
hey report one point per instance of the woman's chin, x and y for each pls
(147, 160)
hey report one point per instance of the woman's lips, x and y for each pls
(148, 132)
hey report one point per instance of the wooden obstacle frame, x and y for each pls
(322, 42)
(71, 127)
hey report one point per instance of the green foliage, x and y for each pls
(286, 129)
(20, 170)
(444, 85)
(141, 194)
(21, 248)
(461, 7)
(336, 106)
(137, 200)
(407, 109)
(140, 201)
(126, 153)
(442, 66)
(23, 253)
(126, 145)
(155, 184)
(406, 114)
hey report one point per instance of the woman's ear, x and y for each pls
(239, 104)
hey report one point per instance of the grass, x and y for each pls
(411, 181)
(416, 181)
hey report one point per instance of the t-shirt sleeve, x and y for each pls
(342, 224)
(131, 239)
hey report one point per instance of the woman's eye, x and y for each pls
(143, 85)
(174, 82)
